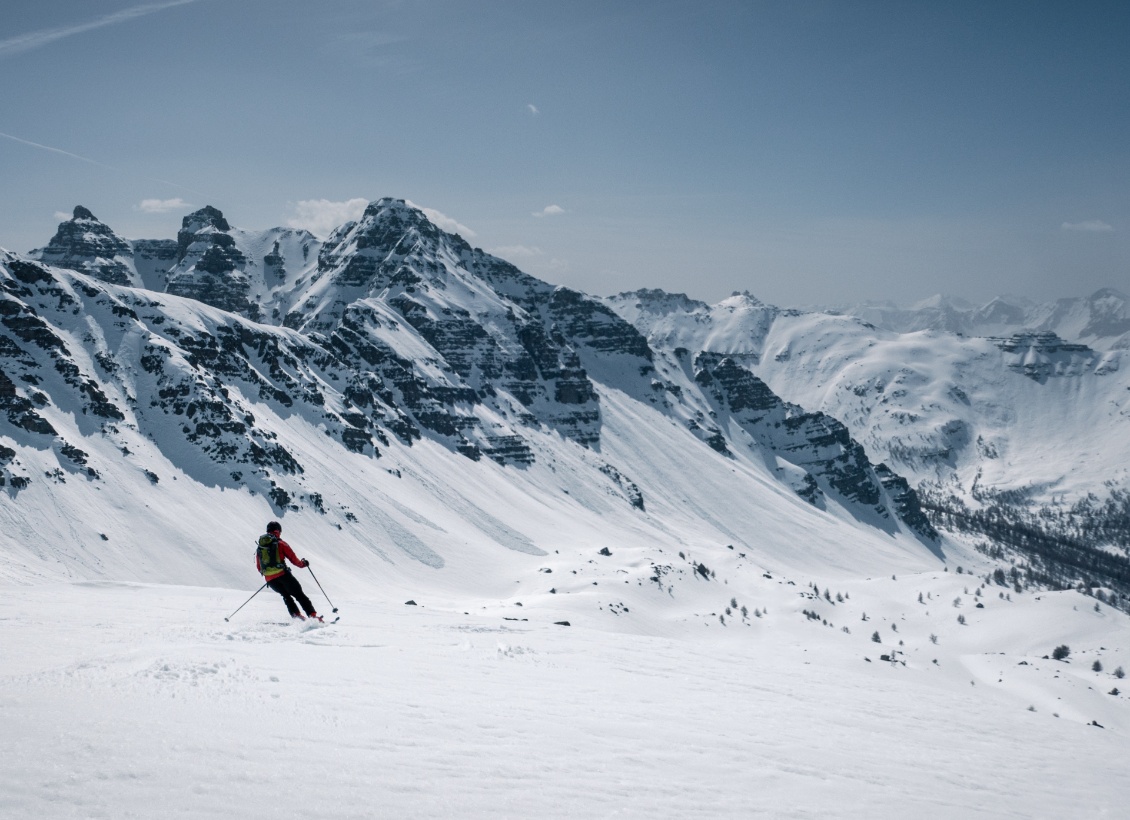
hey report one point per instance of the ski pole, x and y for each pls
(245, 603)
(319, 583)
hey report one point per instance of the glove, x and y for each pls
(305, 562)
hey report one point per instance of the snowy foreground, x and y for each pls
(132, 700)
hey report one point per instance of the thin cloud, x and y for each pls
(321, 216)
(59, 151)
(533, 109)
(161, 206)
(549, 210)
(1088, 226)
(43, 37)
(441, 220)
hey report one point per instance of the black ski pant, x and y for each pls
(288, 587)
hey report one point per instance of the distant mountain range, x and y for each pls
(1101, 320)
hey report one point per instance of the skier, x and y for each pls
(270, 559)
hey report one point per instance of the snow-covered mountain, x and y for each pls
(1028, 412)
(393, 332)
(750, 523)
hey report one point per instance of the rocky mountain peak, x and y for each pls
(207, 216)
(205, 220)
(388, 223)
(392, 243)
(86, 245)
(210, 265)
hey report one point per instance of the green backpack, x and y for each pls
(270, 557)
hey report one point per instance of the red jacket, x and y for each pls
(285, 554)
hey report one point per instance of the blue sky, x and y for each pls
(806, 151)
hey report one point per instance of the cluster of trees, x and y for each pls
(1084, 546)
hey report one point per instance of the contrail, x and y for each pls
(35, 39)
(96, 162)
(60, 151)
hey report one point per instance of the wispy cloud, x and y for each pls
(441, 220)
(549, 210)
(161, 206)
(321, 216)
(36, 39)
(1088, 226)
(533, 109)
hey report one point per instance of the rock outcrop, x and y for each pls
(818, 444)
(86, 245)
(210, 267)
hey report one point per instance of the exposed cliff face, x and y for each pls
(489, 331)
(210, 267)
(257, 274)
(86, 245)
(820, 445)
(1042, 355)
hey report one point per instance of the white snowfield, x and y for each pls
(689, 682)
(123, 700)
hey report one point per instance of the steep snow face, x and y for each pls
(1026, 411)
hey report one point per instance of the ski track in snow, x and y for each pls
(117, 698)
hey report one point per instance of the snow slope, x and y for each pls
(119, 697)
